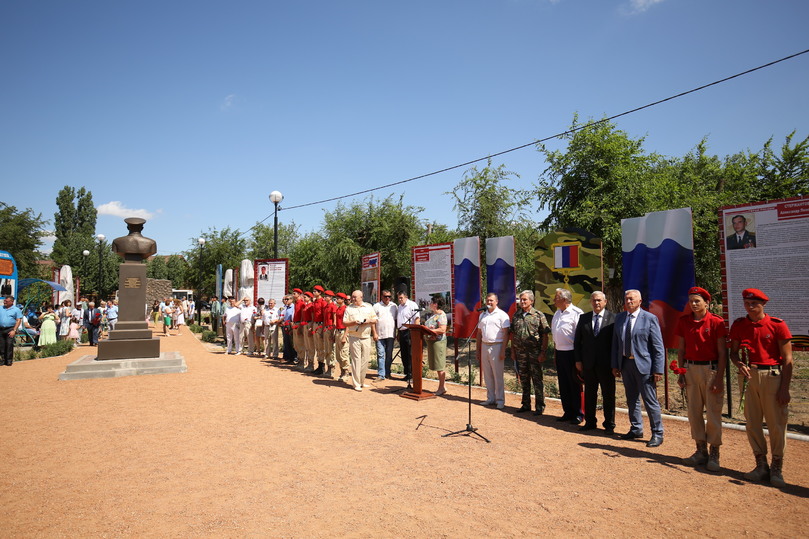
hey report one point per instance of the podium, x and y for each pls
(417, 335)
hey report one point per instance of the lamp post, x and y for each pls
(201, 242)
(85, 254)
(100, 238)
(276, 197)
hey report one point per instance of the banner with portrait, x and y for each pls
(8, 274)
(271, 279)
(765, 245)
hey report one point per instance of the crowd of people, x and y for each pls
(50, 323)
(332, 334)
(173, 313)
(595, 348)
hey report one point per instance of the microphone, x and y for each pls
(482, 309)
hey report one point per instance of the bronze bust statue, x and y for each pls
(134, 247)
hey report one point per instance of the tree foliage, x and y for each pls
(222, 246)
(74, 225)
(262, 241)
(21, 234)
(488, 208)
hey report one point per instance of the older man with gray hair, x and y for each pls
(563, 329)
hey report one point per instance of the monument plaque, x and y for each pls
(132, 337)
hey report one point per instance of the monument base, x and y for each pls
(128, 348)
(88, 367)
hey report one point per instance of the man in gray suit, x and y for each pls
(592, 346)
(639, 358)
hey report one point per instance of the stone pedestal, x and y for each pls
(132, 337)
(87, 367)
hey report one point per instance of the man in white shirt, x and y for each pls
(385, 325)
(359, 319)
(563, 330)
(247, 312)
(233, 319)
(491, 346)
(406, 313)
(271, 329)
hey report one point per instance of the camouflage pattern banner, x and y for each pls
(569, 258)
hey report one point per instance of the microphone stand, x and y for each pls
(469, 430)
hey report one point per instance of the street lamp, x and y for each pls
(201, 242)
(100, 238)
(276, 197)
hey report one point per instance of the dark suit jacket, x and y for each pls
(647, 343)
(733, 242)
(592, 350)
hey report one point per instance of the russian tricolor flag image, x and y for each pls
(566, 256)
(467, 286)
(658, 258)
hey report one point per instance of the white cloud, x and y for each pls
(117, 209)
(228, 103)
(639, 6)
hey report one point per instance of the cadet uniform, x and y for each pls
(318, 336)
(328, 332)
(528, 342)
(308, 335)
(769, 370)
(297, 333)
(340, 340)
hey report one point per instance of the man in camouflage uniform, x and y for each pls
(529, 341)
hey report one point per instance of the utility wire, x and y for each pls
(539, 141)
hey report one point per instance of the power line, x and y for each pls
(535, 142)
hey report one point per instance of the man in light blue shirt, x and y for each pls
(10, 320)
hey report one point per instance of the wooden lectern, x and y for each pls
(417, 334)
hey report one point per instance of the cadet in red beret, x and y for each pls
(768, 369)
(328, 332)
(318, 335)
(308, 339)
(702, 353)
(297, 332)
(340, 339)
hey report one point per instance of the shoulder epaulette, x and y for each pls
(740, 319)
(777, 320)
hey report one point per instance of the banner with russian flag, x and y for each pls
(658, 260)
(501, 272)
(466, 265)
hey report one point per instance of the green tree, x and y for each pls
(488, 208)
(74, 225)
(262, 240)
(21, 234)
(222, 246)
(156, 268)
(178, 271)
(785, 175)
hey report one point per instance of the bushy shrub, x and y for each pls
(59, 348)
(209, 336)
(84, 337)
(196, 328)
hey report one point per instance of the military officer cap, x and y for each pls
(754, 293)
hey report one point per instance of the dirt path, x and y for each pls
(241, 447)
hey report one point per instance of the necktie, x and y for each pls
(596, 327)
(628, 337)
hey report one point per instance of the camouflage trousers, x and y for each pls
(530, 371)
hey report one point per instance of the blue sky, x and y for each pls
(191, 112)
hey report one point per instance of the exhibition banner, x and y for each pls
(765, 245)
(432, 274)
(570, 258)
(272, 279)
(8, 274)
(501, 272)
(658, 260)
(467, 286)
(371, 278)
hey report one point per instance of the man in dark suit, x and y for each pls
(91, 321)
(741, 238)
(592, 346)
(639, 358)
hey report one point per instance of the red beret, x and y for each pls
(329, 293)
(307, 293)
(700, 291)
(341, 295)
(298, 290)
(754, 293)
(318, 288)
